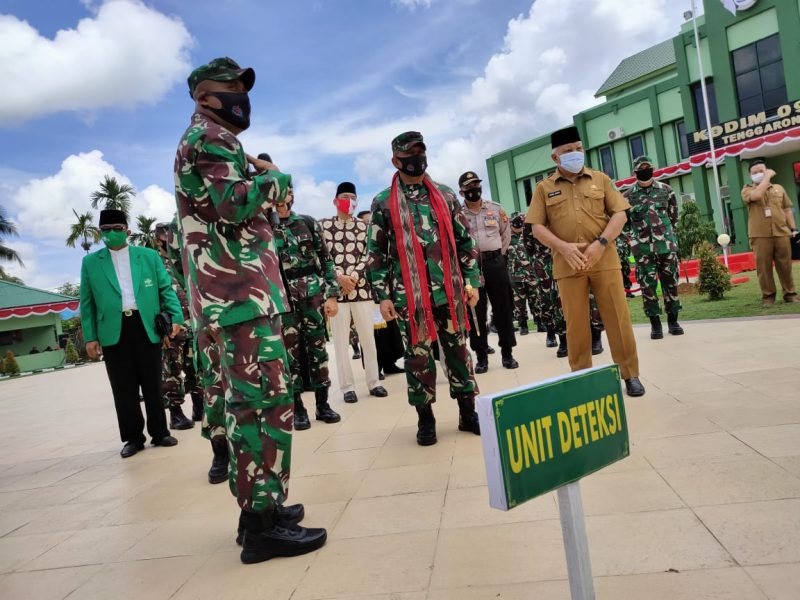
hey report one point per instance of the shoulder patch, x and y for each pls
(552, 194)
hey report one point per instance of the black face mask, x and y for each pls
(413, 165)
(645, 174)
(473, 195)
(235, 108)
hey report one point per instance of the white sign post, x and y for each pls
(576, 544)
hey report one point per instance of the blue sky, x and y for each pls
(100, 87)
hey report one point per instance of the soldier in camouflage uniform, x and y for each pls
(652, 219)
(624, 250)
(235, 297)
(423, 269)
(313, 290)
(523, 278)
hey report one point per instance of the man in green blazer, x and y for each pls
(123, 288)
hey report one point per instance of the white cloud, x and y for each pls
(125, 54)
(154, 201)
(312, 198)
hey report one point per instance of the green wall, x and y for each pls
(753, 29)
(669, 105)
(40, 331)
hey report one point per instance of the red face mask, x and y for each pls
(345, 205)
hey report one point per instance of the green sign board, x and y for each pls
(543, 436)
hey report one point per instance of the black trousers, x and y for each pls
(134, 363)
(497, 290)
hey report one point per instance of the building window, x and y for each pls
(700, 113)
(683, 143)
(538, 177)
(607, 161)
(636, 144)
(760, 84)
(526, 184)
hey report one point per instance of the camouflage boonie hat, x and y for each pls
(467, 178)
(405, 141)
(221, 69)
(641, 161)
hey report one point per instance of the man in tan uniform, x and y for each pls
(770, 224)
(577, 212)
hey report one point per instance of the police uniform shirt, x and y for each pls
(577, 212)
(489, 227)
(766, 217)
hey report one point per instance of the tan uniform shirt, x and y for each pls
(578, 213)
(766, 217)
(489, 227)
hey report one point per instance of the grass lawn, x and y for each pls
(744, 300)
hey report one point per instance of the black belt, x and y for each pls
(491, 254)
(301, 272)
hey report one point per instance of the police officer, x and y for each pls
(577, 212)
(312, 287)
(489, 227)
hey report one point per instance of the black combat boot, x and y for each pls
(218, 472)
(426, 425)
(540, 328)
(178, 420)
(467, 417)
(265, 537)
(197, 406)
(482, 363)
(550, 341)
(673, 327)
(656, 332)
(284, 515)
(597, 341)
(508, 360)
(301, 421)
(562, 345)
(324, 411)
(523, 328)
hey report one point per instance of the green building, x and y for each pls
(653, 105)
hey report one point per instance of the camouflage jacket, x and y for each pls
(541, 256)
(520, 266)
(623, 244)
(307, 265)
(226, 242)
(384, 266)
(179, 291)
(652, 219)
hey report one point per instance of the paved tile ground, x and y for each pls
(706, 506)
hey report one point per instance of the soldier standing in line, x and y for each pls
(652, 219)
(523, 278)
(313, 290)
(489, 227)
(423, 269)
(235, 298)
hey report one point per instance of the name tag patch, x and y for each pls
(553, 194)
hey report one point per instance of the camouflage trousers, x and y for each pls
(304, 327)
(652, 269)
(259, 411)
(420, 365)
(207, 361)
(524, 297)
(178, 375)
(626, 273)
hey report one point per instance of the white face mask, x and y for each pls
(757, 177)
(572, 161)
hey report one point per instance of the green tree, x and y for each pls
(113, 195)
(714, 277)
(70, 289)
(7, 229)
(692, 231)
(146, 234)
(10, 365)
(83, 229)
(70, 353)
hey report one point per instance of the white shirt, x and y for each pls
(122, 267)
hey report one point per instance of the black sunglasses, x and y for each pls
(113, 228)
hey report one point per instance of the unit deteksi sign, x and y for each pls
(539, 437)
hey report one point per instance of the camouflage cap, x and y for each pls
(405, 141)
(221, 69)
(642, 160)
(467, 178)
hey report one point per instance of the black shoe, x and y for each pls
(129, 449)
(301, 421)
(550, 341)
(285, 516)
(509, 362)
(178, 420)
(482, 364)
(218, 473)
(540, 328)
(324, 412)
(490, 350)
(672, 324)
(393, 369)
(492, 328)
(197, 406)
(350, 397)
(524, 330)
(378, 391)
(273, 539)
(467, 417)
(634, 387)
(562, 346)
(167, 440)
(426, 425)
(597, 342)
(656, 332)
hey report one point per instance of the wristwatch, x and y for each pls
(602, 240)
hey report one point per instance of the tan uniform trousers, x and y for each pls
(610, 295)
(778, 249)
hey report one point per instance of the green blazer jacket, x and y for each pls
(101, 298)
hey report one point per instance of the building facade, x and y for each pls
(653, 105)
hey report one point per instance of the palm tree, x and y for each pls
(146, 236)
(7, 228)
(83, 229)
(112, 195)
(10, 278)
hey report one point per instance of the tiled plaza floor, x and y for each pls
(706, 506)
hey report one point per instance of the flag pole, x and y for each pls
(723, 217)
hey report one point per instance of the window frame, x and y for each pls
(630, 146)
(610, 148)
(757, 70)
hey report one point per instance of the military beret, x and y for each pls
(467, 178)
(405, 141)
(641, 160)
(221, 69)
(568, 135)
(112, 216)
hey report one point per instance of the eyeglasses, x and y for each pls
(113, 228)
